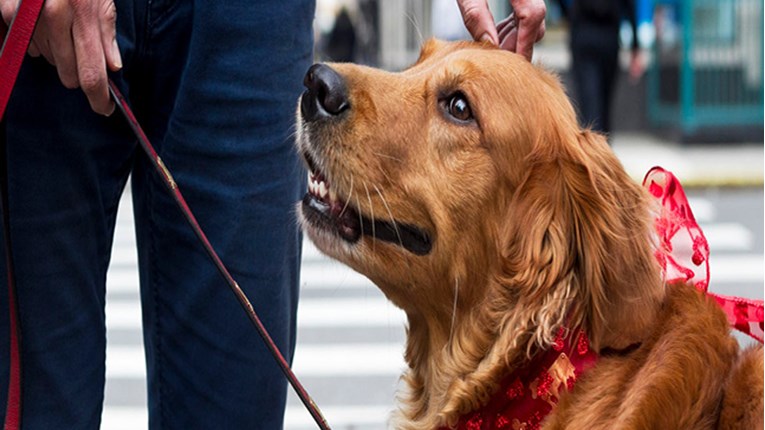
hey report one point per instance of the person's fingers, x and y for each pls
(8, 9)
(108, 19)
(510, 41)
(527, 36)
(531, 27)
(508, 33)
(34, 51)
(91, 60)
(57, 35)
(479, 20)
(505, 26)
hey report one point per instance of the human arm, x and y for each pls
(637, 59)
(78, 37)
(517, 33)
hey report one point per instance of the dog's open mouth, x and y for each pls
(324, 209)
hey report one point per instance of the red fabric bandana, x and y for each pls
(528, 394)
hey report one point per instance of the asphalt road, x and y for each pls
(350, 339)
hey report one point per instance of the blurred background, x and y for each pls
(697, 111)
(703, 58)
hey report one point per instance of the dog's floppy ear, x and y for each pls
(578, 250)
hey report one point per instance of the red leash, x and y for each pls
(11, 56)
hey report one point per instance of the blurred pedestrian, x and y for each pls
(594, 44)
(341, 44)
(215, 85)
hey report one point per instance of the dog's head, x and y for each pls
(463, 185)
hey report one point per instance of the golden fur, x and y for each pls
(534, 223)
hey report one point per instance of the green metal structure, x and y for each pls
(707, 66)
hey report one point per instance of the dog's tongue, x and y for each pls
(346, 218)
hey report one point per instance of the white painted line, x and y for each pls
(364, 312)
(323, 275)
(314, 313)
(123, 315)
(353, 359)
(125, 362)
(310, 251)
(375, 311)
(122, 280)
(332, 276)
(124, 418)
(339, 417)
(703, 209)
(335, 360)
(296, 417)
(124, 256)
(727, 237)
(735, 268)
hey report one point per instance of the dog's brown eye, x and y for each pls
(459, 108)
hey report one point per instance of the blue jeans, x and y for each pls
(215, 83)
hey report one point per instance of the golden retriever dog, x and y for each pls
(465, 190)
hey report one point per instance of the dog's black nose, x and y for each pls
(326, 94)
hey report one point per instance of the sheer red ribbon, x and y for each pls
(683, 251)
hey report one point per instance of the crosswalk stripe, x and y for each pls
(736, 268)
(725, 268)
(727, 237)
(327, 276)
(295, 417)
(703, 209)
(357, 359)
(374, 311)
(346, 416)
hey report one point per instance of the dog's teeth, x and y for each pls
(322, 190)
(332, 195)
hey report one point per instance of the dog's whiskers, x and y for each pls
(372, 214)
(413, 20)
(395, 227)
(382, 171)
(358, 212)
(392, 220)
(347, 201)
(390, 157)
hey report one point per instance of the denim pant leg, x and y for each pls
(67, 168)
(228, 143)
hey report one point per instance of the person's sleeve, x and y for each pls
(630, 11)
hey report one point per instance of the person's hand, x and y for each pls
(518, 32)
(637, 66)
(78, 37)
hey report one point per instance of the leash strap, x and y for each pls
(13, 405)
(11, 56)
(172, 187)
(15, 46)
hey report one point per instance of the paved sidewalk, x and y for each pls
(696, 165)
